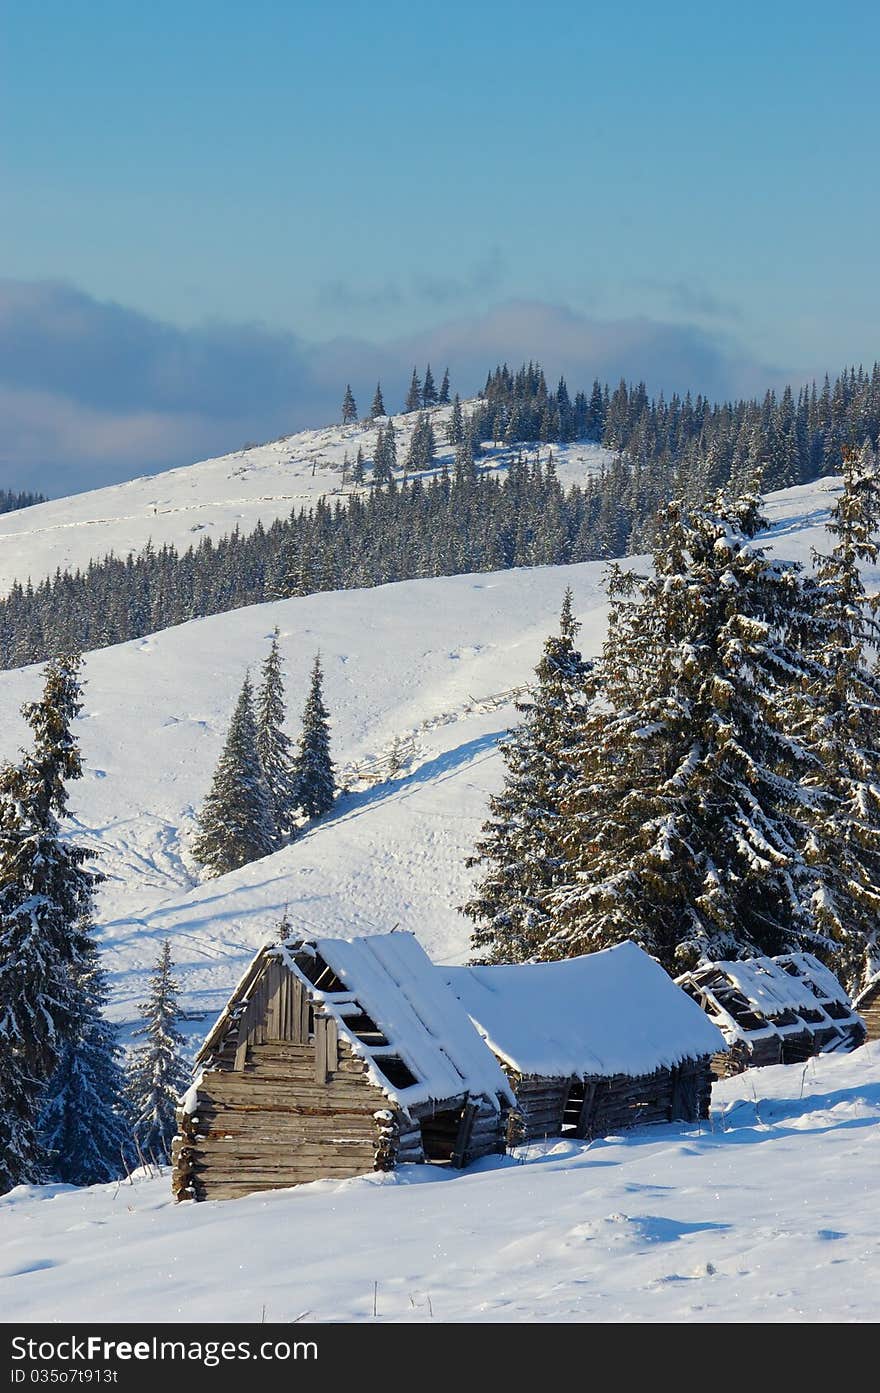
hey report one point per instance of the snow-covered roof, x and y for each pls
(390, 979)
(611, 1012)
(868, 992)
(763, 996)
(393, 980)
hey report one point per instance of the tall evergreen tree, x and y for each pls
(316, 786)
(520, 849)
(455, 429)
(688, 826)
(349, 407)
(378, 407)
(235, 823)
(390, 448)
(840, 719)
(429, 390)
(443, 399)
(414, 395)
(422, 446)
(46, 898)
(274, 747)
(158, 1072)
(83, 1128)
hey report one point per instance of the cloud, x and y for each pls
(689, 297)
(484, 276)
(94, 392)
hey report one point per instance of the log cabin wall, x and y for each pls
(273, 1123)
(283, 1101)
(595, 1107)
(868, 1007)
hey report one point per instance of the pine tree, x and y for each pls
(83, 1129)
(455, 429)
(378, 407)
(429, 390)
(422, 446)
(316, 788)
(235, 823)
(687, 828)
(274, 747)
(357, 474)
(520, 850)
(840, 719)
(158, 1073)
(414, 395)
(389, 449)
(46, 898)
(443, 399)
(349, 407)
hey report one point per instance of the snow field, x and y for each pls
(767, 1213)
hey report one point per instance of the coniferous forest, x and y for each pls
(708, 788)
(10, 502)
(469, 518)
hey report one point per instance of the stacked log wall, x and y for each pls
(272, 1124)
(869, 1010)
(611, 1104)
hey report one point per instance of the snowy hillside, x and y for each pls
(432, 663)
(256, 484)
(766, 1213)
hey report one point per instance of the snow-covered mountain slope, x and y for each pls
(767, 1213)
(430, 663)
(433, 664)
(253, 484)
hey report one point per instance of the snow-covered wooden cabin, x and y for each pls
(334, 1057)
(593, 1044)
(776, 1010)
(867, 1004)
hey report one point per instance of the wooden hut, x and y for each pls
(333, 1057)
(774, 1010)
(593, 1044)
(867, 1003)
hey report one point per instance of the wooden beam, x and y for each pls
(465, 1127)
(320, 1049)
(332, 1045)
(586, 1113)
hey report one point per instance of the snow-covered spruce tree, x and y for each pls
(235, 823)
(455, 429)
(422, 446)
(46, 897)
(443, 398)
(378, 407)
(687, 828)
(274, 747)
(840, 719)
(84, 1133)
(315, 782)
(349, 407)
(429, 389)
(520, 849)
(158, 1072)
(414, 395)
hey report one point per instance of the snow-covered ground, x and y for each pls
(260, 483)
(742, 1219)
(766, 1213)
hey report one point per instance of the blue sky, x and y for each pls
(310, 193)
